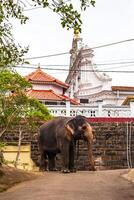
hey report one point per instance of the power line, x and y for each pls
(116, 71)
(117, 67)
(115, 63)
(29, 9)
(49, 65)
(108, 68)
(114, 60)
(114, 43)
(98, 64)
(97, 47)
(46, 56)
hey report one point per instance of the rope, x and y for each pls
(129, 137)
(127, 149)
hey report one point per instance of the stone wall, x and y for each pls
(109, 149)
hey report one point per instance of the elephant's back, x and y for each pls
(53, 124)
(49, 131)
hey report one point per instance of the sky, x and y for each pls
(109, 21)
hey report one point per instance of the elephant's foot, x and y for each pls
(73, 170)
(93, 168)
(53, 169)
(43, 170)
(65, 171)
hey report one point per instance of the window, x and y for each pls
(84, 101)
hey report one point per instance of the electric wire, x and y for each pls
(96, 47)
(97, 64)
(66, 70)
(117, 67)
(113, 60)
(29, 9)
(113, 43)
(46, 56)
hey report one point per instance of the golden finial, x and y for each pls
(76, 34)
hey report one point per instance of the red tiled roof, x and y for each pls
(49, 95)
(44, 95)
(122, 88)
(40, 76)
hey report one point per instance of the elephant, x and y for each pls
(59, 135)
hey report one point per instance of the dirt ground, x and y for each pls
(10, 176)
(99, 185)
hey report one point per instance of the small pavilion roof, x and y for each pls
(39, 76)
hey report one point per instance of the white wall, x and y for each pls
(55, 88)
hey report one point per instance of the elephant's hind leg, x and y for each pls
(43, 162)
(51, 162)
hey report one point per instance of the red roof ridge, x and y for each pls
(32, 73)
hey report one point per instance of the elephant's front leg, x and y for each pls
(71, 157)
(65, 156)
(90, 156)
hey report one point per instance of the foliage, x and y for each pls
(69, 16)
(11, 53)
(2, 144)
(10, 81)
(15, 104)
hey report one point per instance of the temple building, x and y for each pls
(87, 84)
(48, 89)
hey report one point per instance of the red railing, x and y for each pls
(111, 119)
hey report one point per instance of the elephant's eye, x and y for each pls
(84, 127)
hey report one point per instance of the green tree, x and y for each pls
(16, 106)
(11, 53)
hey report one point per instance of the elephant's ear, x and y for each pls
(88, 132)
(69, 129)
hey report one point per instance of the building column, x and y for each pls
(132, 108)
(67, 108)
(100, 103)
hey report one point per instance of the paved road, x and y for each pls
(100, 185)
